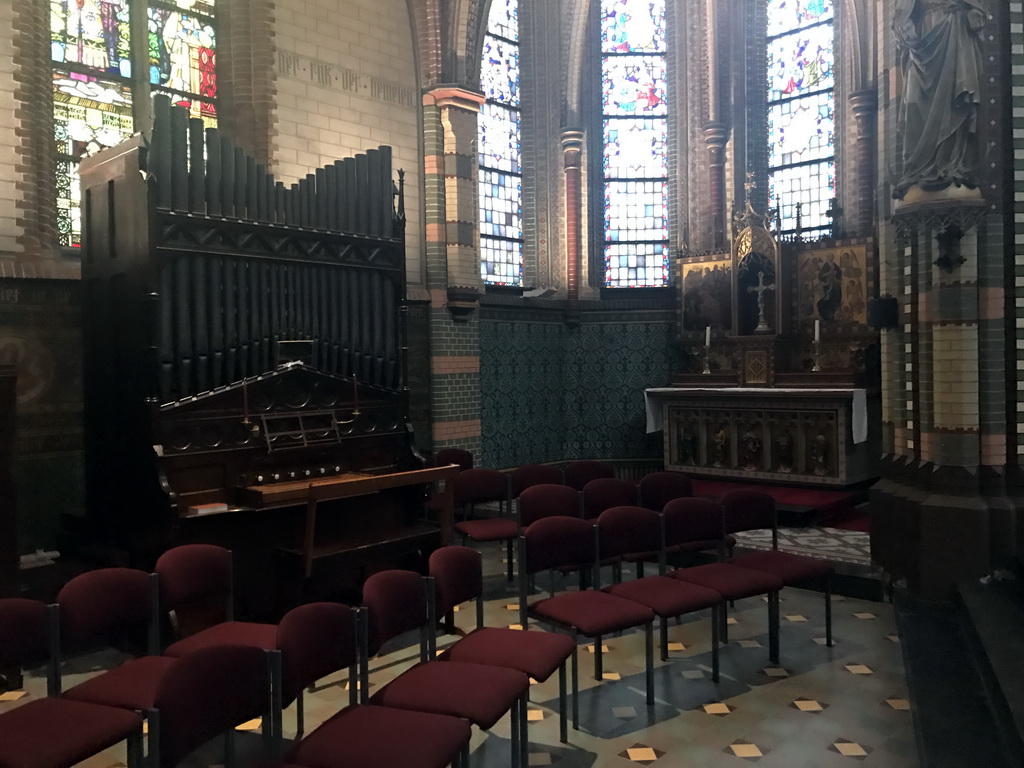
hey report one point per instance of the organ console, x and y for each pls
(244, 361)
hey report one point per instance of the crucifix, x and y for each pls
(759, 289)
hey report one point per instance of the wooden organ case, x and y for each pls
(245, 375)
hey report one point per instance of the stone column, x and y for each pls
(453, 264)
(572, 146)
(716, 135)
(864, 105)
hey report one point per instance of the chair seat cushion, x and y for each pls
(490, 529)
(477, 692)
(731, 581)
(131, 686)
(51, 732)
(665, 596)
(787, 566)
(228, 633)
(539, 654)
(592, 613)
(377, 737)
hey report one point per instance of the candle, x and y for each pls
(355, 394)
(707, 336)
(817, 330)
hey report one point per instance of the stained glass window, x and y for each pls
(498, 144)
(635, 127)
(94, 81)
(801, 122)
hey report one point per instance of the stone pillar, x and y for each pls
(453, 264)
(716, 135)
(864, 105)
(572, 146)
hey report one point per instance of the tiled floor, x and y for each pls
(820, 707)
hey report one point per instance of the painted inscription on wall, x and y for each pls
(325, 75)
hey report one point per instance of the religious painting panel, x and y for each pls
(832, 285)
(707, 294)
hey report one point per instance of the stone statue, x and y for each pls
(720, 448)
(751, 450)
(819, 454)
(939, 44)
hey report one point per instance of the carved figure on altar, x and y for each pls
(783, 450)
(819, 454)
(687, 445)
(751, 450)
(939, 44)
(720, 447)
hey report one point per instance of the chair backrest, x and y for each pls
(627, 530)
(605, 493)
(24, 632)
(194, 574)
(748, 510)
(548, 500)
(693, 519)
(474, 486)
(396, 603)
(315, 640)
(579, 473)
(557, 542)
(530, 475)
(454, 456)
(207, 692)
(94, 603)
(659, 488)
(458, 576)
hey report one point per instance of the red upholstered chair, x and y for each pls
(401, 601)
(209, 692)
(605, 493)
(558, 542)
(578, 473)
(53, 732)
(547, 500)
(319, 638)
(624, 530)
(476, 486)
(458, 456)
(688, 521)
(530, 475)
(201, 575)
(659, 488)
(458, 578)
(313, 641)
(747, 510)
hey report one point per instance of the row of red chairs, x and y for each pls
(227, 674)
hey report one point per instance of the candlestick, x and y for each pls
(817, 331)
(355, 395)
(245, 401)
(817, 356)
(707, 336)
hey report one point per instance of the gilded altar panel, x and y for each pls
(832, 284)
(707, 294)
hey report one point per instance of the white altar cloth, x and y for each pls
(859, 397)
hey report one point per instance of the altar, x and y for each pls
(780, 379)
(802, 436)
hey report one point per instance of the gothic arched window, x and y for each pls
(93, 45)
(635, 129)
(501, 181)
(801, 106)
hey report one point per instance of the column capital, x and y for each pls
(454, 96)
(572, 147)
(716, 135)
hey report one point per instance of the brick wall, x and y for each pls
(346, 82)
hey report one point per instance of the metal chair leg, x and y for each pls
(598, 659)
(563, 715)
(153, 725)
(515, 739)
(714, 642)
(575, 689)
(524, 735)
(723, 614)
(508, 550)
(134, 746)
(773, 627)
(649, 654)
(828, 611)
(663, 629)
(229, 749)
